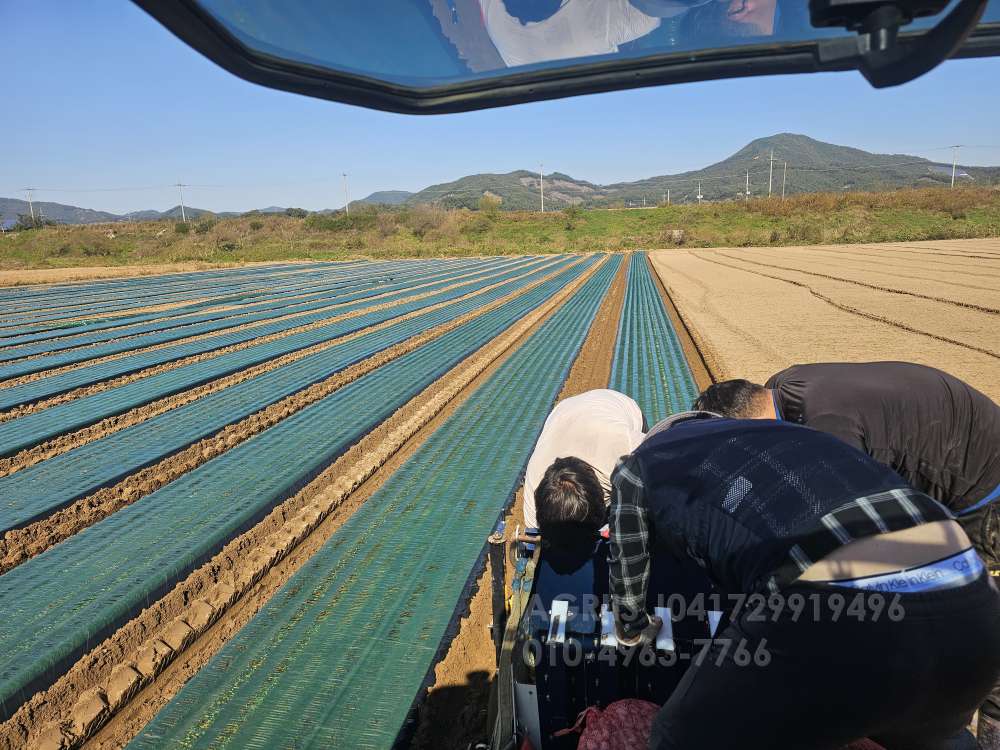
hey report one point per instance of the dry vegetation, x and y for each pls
(429, 231)
(755, 311)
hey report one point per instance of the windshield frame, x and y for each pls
(200, 30)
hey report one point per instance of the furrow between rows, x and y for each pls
(104, 476)
(54, 432)
(348, 626)
(137, 554)
(28, 365)
(39, 386)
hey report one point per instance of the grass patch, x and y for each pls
(432, 231)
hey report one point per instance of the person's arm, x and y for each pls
(530, 521)
(628, 556)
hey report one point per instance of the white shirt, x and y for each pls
(579, 28)
(598, 427)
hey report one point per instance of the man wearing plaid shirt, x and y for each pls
(783, 512)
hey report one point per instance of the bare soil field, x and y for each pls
(755, 311)
(92, 273)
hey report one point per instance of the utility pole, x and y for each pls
(700, 196)
(347, 195)
(541, 184)
(784, 174)
(668, 196)
(180, 190)
(954, 165)
(748, 180)
(770, 174)
(31, 205)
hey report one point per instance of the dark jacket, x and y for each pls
(939, 433)
(754, 502)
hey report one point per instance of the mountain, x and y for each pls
(387, 198)
(174, 214)
(812, 166)
(10, 208)
(516, 191)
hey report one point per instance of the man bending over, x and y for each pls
(581, 441)
(937, 432)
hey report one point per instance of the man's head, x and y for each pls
(737, 399)
(569, 501)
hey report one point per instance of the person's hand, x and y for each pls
(646, 637)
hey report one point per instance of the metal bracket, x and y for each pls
(884, 58)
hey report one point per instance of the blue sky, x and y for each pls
(98, 95)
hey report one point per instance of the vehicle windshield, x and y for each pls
(424, 43)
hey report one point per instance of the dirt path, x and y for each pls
(125, 665)
(20, 545)
(45, 276)
(751, 321)
(455, 710)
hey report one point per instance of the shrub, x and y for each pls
(359, 220)
(387, 224)
(572, 214)
(256, 226)
(296, 213)
(98, 248)
(422, 219)
(489, 204)
(476, 227)
(182, 227)
(27, 221)
(204, 226)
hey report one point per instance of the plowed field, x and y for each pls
(755, 311)
(214, 477)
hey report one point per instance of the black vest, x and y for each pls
(752, 501)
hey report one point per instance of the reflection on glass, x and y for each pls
(431, 42)
(493, 34)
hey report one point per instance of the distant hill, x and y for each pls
(10, 208)
(387, 198)
(174, 214)
(812, 166)
(516, 190)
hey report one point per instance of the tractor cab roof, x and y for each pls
(430, 56)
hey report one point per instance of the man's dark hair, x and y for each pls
(569, 499)
(731, 398)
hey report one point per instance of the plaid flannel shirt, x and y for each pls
(629, 549)
(630, 537)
